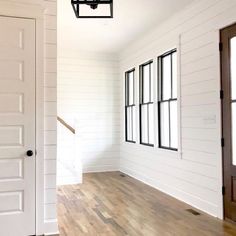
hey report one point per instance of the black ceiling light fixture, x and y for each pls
(89, 8)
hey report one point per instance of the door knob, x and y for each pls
(29, 153)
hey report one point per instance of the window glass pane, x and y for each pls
(234, 133)
(126, 90)
(173, 125)
(134, 123)
(151, 90)
(233, 67)
(129, 124)
(144, 124)
(146, 83)
(166, 79)
(131, 133)
(174, 75)
(151, 124)
(131, 88)
(164, 109)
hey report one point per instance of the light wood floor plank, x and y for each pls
(107, 204)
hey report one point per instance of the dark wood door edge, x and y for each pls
(229, 173)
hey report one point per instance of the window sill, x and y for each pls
(169, 149)
(147, 144)
(127, 141)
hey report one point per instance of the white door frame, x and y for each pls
(35, 12)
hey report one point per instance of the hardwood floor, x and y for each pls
(107, 204)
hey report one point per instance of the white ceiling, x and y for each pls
(132, 18)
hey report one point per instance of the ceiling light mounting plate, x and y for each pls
(93, 4)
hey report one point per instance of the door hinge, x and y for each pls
(221, 94)
(222, 142)
(223, 190)
(221, 47)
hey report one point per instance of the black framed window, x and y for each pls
(167, 105)
(130, 106)
(146, 110)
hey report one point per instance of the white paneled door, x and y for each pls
(17, 126)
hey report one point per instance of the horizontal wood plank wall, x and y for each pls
(89, 98)
(50, 93)
(195, 175)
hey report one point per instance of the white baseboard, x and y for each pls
(69, 180)
(96, 169)
(189, 199)
(51, 227)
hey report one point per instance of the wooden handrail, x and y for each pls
(72, 130)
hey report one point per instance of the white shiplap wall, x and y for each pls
(50, 84)
(89, 98)
(194, 174)
(50, 96)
